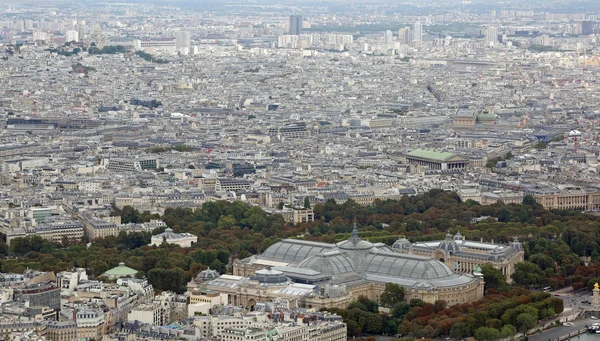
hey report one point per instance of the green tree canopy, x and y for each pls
(528, 274)
(493, 278)
(392, 295)
(487, 334)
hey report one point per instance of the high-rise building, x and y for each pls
(545, 40)
(405, 36)
(295, 25)
(72, 36)
(81, 30)
(418, 31)
(491, 36)
(182, 42)
(388, 37)
(98, 37)
(587, 28)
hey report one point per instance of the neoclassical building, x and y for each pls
(170, 237)
(316, 275)
(464, 256)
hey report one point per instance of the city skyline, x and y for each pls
(298, 170)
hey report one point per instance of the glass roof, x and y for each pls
(294, 251)
(399, 265)
(330, 263)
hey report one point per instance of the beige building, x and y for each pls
(464, 256)
(437, 160)
(98, 228)
(299, 215)
(152, 313)
(62, 331)
(204, 303)
(578, 200)
(54, 232)
(9, 327)
(336, 331)
(320, 330)
(90, 323)
(490, 198)
(464, 118)
(243, 334)
(319, 275)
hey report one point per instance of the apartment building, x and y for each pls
(90, 323)
(39, 295)
(9, 327)
(98, 228)
(298, 215)
(224, 184)
(151, 313)
(130, 165)
(243, 334)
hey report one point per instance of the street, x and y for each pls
(561, 331)
(575, 301)
(572, 302)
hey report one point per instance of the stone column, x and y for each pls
(596, 298)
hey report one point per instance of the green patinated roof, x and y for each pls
(121, 270)
(487, 116)
(431, 154)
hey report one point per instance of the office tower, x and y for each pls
(587, 28)
(418, 31)
(405, 36)
(545, 40)
(81, 30)
(295, 25)
(72, 36)
(388, 37)
(182, 42)
(19, 25)
(491, 36)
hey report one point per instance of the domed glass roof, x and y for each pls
(401, 243)
(449, 244)
(294, 251)
(170, 235)
(406, 266)
(270, 277)
(329, 263)
(516, 244)
(355, 243)
(207, 275)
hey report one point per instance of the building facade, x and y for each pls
(299, 215)
(45, 294)
(331, 275)
(465, 256)
(131, 165)
(295, 25)
(169, 237)
(437, 160)
(588, 201)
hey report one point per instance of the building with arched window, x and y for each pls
(464, 256)
(316, 275)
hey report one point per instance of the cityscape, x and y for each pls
(299, 170)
